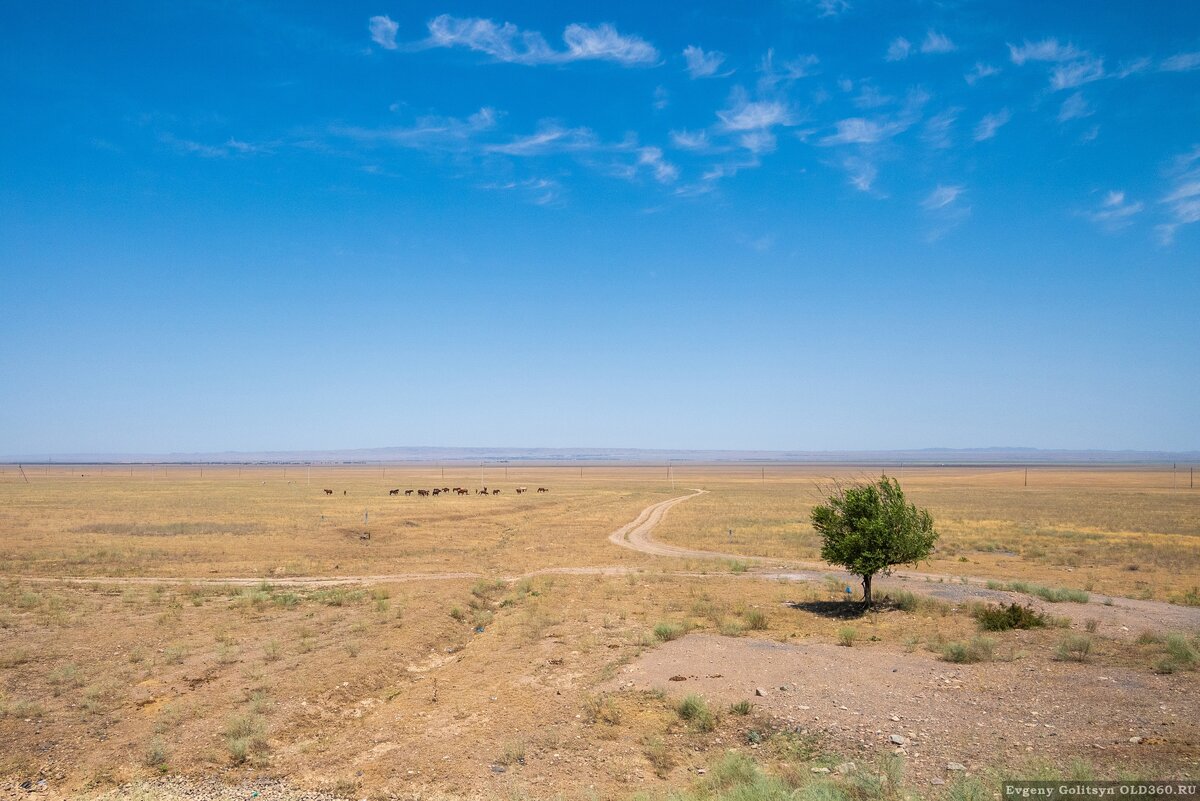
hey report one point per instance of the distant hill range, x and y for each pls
(427, 455)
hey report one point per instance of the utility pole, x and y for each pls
(1027, 476)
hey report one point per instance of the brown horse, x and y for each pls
(394, 492)
(542, 489)
(328, 492)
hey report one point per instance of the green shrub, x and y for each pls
(740, 708)
(1074, 648)
(756, 619)
(1182, 652)
(979, 649)
(668, 631)
(846, 636)
(1010, 616)
(695, 711)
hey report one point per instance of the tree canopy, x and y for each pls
(868, 528)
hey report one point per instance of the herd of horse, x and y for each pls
(425, 493)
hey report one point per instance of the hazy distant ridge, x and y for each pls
(991, 455)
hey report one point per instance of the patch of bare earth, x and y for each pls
(871, 700)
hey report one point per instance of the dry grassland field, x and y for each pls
(232, 632)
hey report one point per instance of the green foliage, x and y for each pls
(869, 528)
(1052, 594)
(847, 635)
(668, 631)
(979, 649)
(1074, 648)
(695, 711)
(1011, 616)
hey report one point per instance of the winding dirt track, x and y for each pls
(1129, 614)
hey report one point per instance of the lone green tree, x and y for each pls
(868, 528)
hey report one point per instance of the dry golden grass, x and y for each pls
(406, 689)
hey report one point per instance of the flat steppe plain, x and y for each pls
(188, 632)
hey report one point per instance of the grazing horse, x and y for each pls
(394, 492)
(437, 491)
(522, 489)
(423, 492)
(542, 489)
(445, 489)
(366, 535)
(483, 491)
(408, 492)
(328, 492)
(462, 491)
(495, 492)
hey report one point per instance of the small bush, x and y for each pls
(903, 600)
(1091, 625)
(1074, 648)
(659, 757)
(513, 754)
(695, 711)
(244, 737)
(156, 754)
(1052, 594)
(731, 628)
(1182, 652)
(601, 709)
(979, 649)
(1010, 616)
(271, 651)
(846, 636)
(666, 632)
(1150, 638)
(738, 566)
(740, 708)
(458, 614)
(756, 619)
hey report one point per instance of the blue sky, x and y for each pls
(777, 225)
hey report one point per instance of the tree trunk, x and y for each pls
(867, 590)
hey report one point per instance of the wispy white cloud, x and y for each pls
(869, 96)
(744, 114)
(701, 63)
(938, 130)
(652, 157)
(540, 191)
(230, 147)
(383, 31)
(550, 138)
(979, 72)
(1183, 200)
(873, 130)
(1077, 73)
(756, 142)
(775, 76)
(1115, 211)
(831, 8)
(1180, 62)
(1043, 50)
(941, 197)
(860, 172)
(936, 42)
(691, 140)
(898, 49)
(662, 98)
(507, 42)
(987, 127)
(1074, 107)
(431, 132)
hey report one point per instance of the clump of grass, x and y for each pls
(738, 566)
(847, 635)
(64, 677)
(1092, 624)
(1150, 638)
(978, 649)
(513, 754)
(731, 628)
(245, 737)
(601, 709)
(1073, 648)
(1181, 655)
(903, 600)
(1007, 617)
(756, 619)
(1052, 594)
(272, 651)
(458, 614)
(156, 754)
(695, 711)
(666, 632)
(740, 708)
(659, 756)
(19, 708)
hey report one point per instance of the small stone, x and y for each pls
(955, 766)
(897, 739)
(498, 768)
(820, 770)
(760, 692)
(1135, 740)
(846, 767)
(937, 781)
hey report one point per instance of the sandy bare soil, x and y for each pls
(871, 699)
